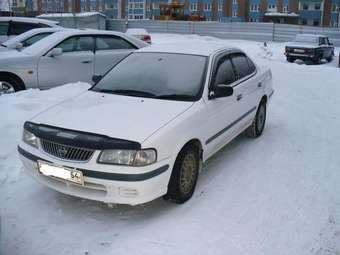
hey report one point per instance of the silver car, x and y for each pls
(63, 57)
(27, 39)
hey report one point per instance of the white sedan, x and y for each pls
(27, 39)
(65, 56)
(145, 128)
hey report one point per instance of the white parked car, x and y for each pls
(13, 26)
(63, 57)
(145, 128)
(139, 33)
(27, 39)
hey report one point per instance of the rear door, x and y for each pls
(4, 26)
(109, 51)
(248, 88)
(75, 64)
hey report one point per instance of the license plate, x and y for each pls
(68, 174)
(299, 51)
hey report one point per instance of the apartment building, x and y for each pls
(303, 12)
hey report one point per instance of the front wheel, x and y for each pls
(9, 85)
(330, 58)
(256, 128)
(290, 59)
(184, 175)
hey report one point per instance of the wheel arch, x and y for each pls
(195, 142)
(13, 76)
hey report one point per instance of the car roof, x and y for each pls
(45, 43)
(191, 48)
(310, 35)
(30, 20)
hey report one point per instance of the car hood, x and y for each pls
(8, 53)
(123, 117)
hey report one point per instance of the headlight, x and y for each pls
(30, 138)
(128, 157)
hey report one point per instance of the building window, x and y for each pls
(271, 8)
(235, 2)
(155, 5)
(316, 23)
(207, 7)
(305, 7)
(285, 8)
(304, 22)
(220, 7)
(254, 8)
(317, 6)
(193, 7)
(335, 8)
(234, 13)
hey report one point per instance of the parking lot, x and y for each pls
(278, 194)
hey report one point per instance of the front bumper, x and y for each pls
(299, 55)
(106, 186)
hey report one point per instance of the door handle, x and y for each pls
(87, 61)
(259, 85)
(239, 97)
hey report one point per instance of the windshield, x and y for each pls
(26, 41)
(157, 75)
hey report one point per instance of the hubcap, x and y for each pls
(261, 118)
(6, 88)
(188, 173)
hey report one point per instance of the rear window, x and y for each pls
(112, 43)
(3, 28)
(17, 28)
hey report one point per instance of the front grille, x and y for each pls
(66, 152)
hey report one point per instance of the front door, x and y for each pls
(75, 64)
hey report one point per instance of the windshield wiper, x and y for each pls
(181, 97)
(128, 92)
(3, 45)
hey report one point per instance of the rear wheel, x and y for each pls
(184, 175)
(256, 128)
(10, 85)
(330, 58)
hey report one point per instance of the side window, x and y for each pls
(112, 43)
(241, 65)
(252, 66)
(17, 28)
(224, 73)
(34, 39)
(77, 43)
(4, 28)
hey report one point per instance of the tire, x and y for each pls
(290, 59)
(10, 84)
(317, 60)
(330, 58)
(184, 175)
(257, 127)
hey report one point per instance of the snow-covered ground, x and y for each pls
(279, 194)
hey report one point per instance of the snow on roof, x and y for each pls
(30, 20)
(281, 14)
(68, 14)
(192, 48)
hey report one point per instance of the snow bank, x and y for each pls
(278, 194)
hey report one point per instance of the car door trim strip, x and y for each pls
(229, 126)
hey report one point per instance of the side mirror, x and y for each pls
(55, 52)
(18, 46)
(221, 90)
(96, 78)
